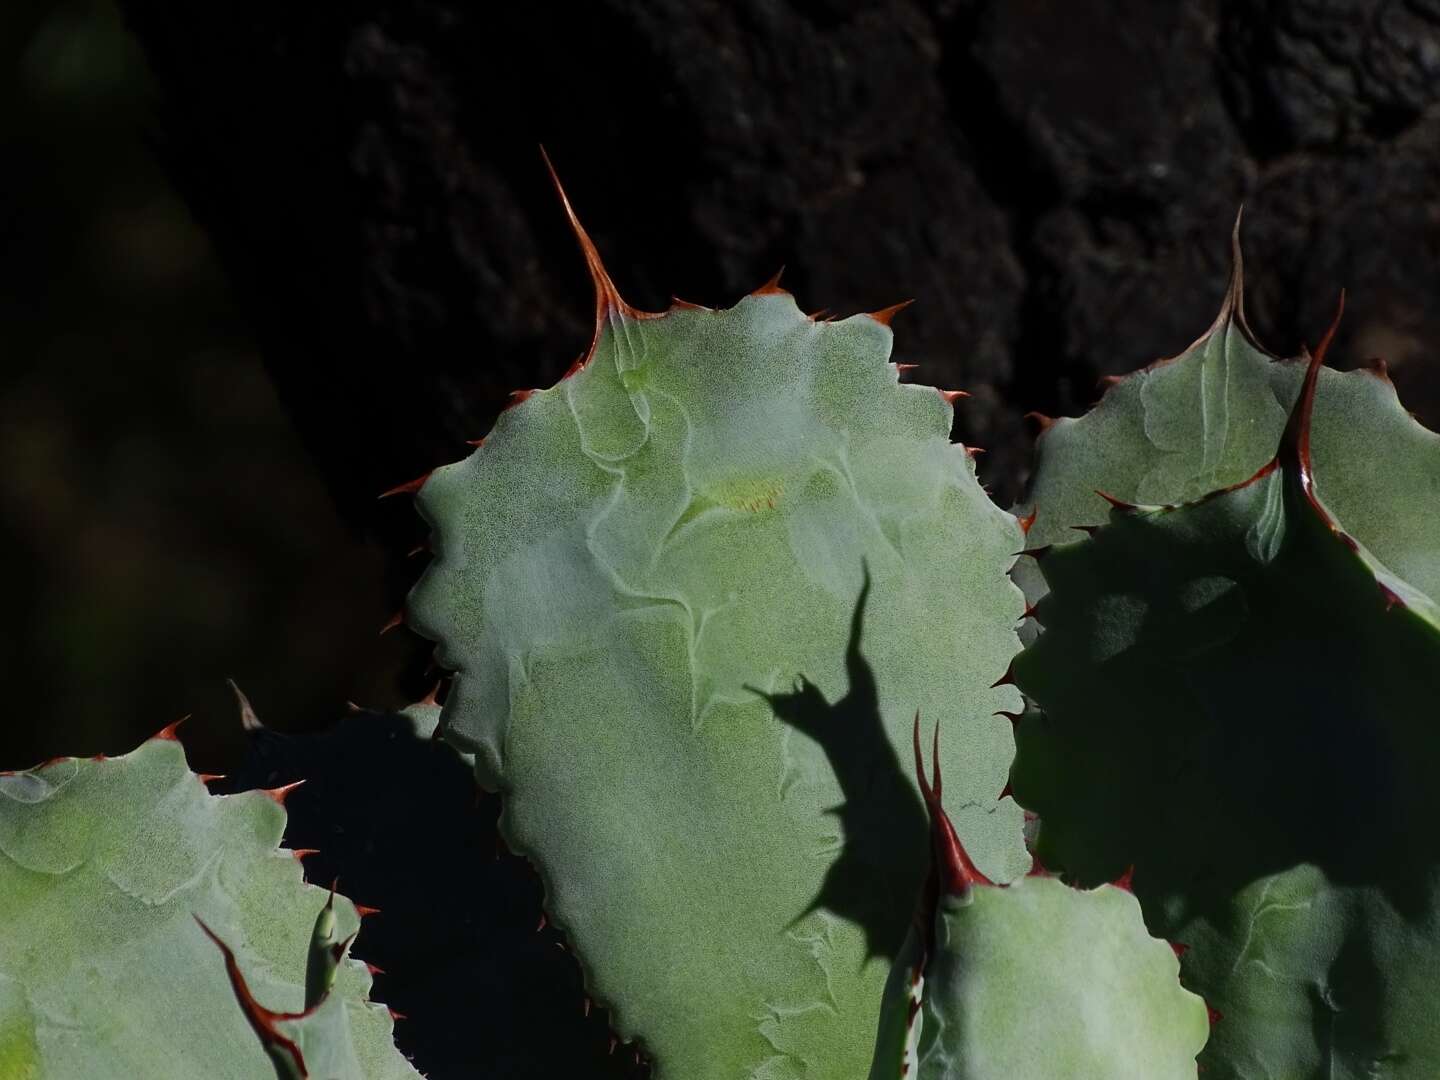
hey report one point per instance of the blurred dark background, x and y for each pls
(261, 261)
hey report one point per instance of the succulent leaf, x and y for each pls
(719, 517)
(1034, 980)
(1211, 417)
(1239, 700)
(105, 970)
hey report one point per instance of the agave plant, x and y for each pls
(693, 595)
(146, 920)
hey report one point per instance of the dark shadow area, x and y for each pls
(399, 821)
(1252, 732)
(878, 874)
(1288, 719)
(161, 524)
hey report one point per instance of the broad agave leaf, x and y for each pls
(1212, 416)
(1239, 700)
(118, 880)
(1034, 980)
(718, 517)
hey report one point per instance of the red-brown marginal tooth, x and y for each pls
(971, 451)
(518, 396)
(1008, 679)
(1043, 423)
(300, 854)
(905, 369)
(1028, 522)
(280, 794)
(818, 316)
(396, 1014)
(432, 696)
(1037, 868)
(398, 619)
(1118, 504)
(100, 757)
(885, 315)
(541, 924)
(207, 777)
(365, 912)
(477, 443)
(1392, 598)
(1215, 1014)
(1126, 880)
(1179, 948)
(952, 396)
(577, 366)
(168, 731)
(1105, 382)
(1377, 366)
(1029, 612)
(771, 287)
(676, 304)
(407, 488)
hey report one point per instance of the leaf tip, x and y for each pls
(607, 297)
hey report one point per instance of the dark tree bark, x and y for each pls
(1052, 182)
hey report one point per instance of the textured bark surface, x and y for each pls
(1052, 182)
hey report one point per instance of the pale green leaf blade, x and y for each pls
(635, 555)
(104, 972)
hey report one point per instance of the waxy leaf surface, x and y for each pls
(105, 972)
(695, 593)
